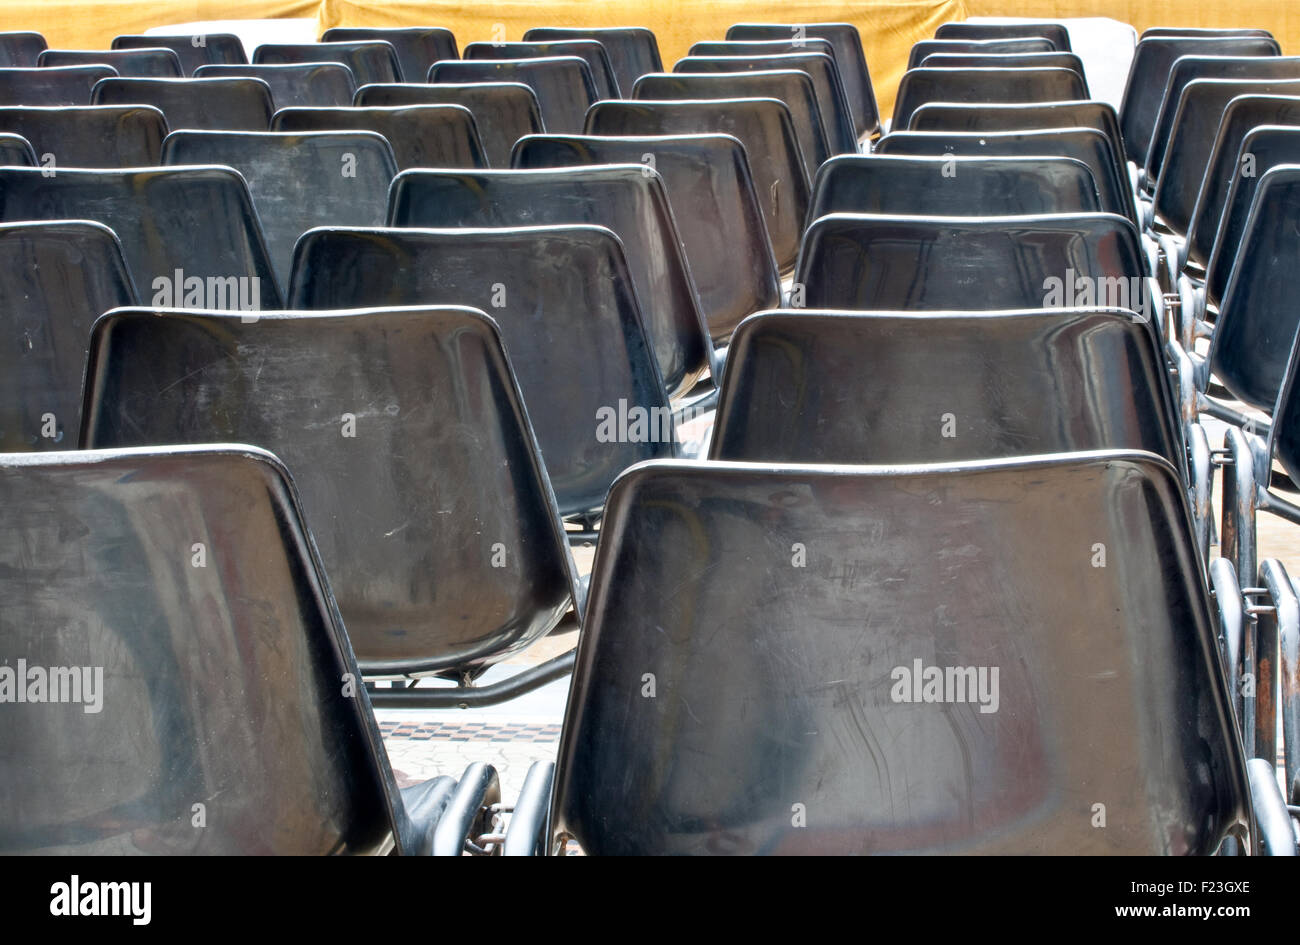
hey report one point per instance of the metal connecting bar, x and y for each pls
(474, 697)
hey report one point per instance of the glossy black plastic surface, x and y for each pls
(186, 232)
(925, 48)
(192, 50)
(939, 116)
(20, 49)
(630, 200)
(55, 280)
(765, 129)
(234, 104)
(148, 63)
(63, 85)
(370, 60)
(1035, 60)
(778, 723)
(298, 181)
(712, 195)
(417, 47)
(503, 111)
(563, 84)
(589, 50)
(633, 51)
(307, 85)
(420, 135)
(1058, 33)
(431, 511)
(15, 149)
(90, 135)
(978, 86)
(564, 300)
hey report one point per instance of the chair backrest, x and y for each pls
(922, 85)
(20, 48)
(1088, 145)
(1035, 60)
(713, 48)
(190, 235)
(192, 621)
(1058, 33)
(763, 126)
(589, 50)
(790, 86)
(1031, 116)
(1284, 433)
(1187, 159)
(234, 104)
(891, 388)
(852, 62)
(926, 48)
(1262, 149)
(298, 181)
(837, 116)
(503, 111)
(420, 404)
(148, 63)
(563, 84)
(15, 149)
(193, 50)
(821, 641)
(953, 186)
(633, 51)
(1257, 322)
(305, 85)
(62, 85)
(417, 47)
(90, 135)
(1189, 69)
(369, 60)
(420, 135)
(1148, 74)
(902, 263)
(1193, 32)
(714, 202)
(630, 200)
(55, 280)
(1241, 116)
(564, 300)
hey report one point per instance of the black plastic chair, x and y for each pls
(1058, 33)
(953, 186)
(1194, 32)
(1265, 71)
(837, 117)
(503, 111)
(55, 280)
(149, 63)
(21, 49)
(848, 56)
(90, 135)
(791, 87)
(717, 682)
(417, 47)
(714, 202)
(630, 200)
(563, 84)
(1270, 146)
(439, 436)
(633, 51)
(225, 690)
(370, 61)
(567, 309)
(1036, 60)
(420, 135)
(15, 149)
(923, 85)
(190, 235)
(926, 48)
(1191, 146)
(64, 85)
(309, 85)
(765, 129)
(298, 181)
(1149, 72)
(235, 104)
(1240, 117)
(193, 51)
(841, 387)
(589, 50)
(1083, 144)
(908, 264)
(1034, 116)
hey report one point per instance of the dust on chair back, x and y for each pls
(983, 85)
(1033, 116)
(417, 47)
(926, 48)
(563, 84)
(193, 51)
(21, 49)
(309, 84)
(370, 61)
(589, 50)
(633, 51)
(420, 135)
(151, 63)
(62, 85)
(90, 135)
(1057, 33)
(234, 104)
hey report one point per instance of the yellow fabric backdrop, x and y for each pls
(889, 27)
